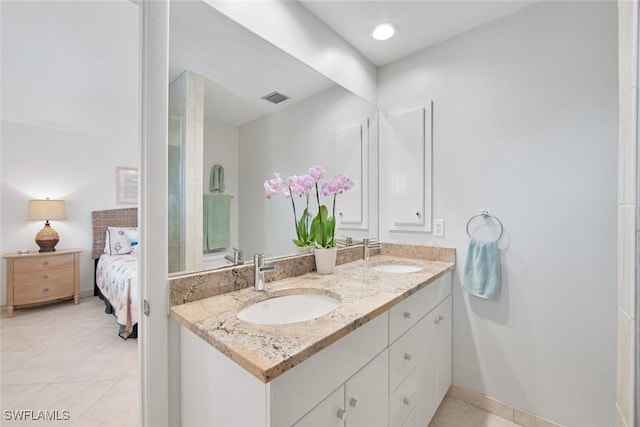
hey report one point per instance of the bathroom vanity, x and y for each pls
(382, 357)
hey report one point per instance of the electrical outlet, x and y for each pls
(438, 228)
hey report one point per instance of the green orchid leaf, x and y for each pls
(302, 231)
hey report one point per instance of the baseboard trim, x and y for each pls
(498, 408)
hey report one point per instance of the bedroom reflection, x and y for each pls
(225, 140)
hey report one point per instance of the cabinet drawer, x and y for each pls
(403, 358)
(403, 402)
(401, 317)
(44, 277)
(42, 292)
(42, 263)
(407, 313)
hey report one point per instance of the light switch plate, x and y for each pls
(438, 228)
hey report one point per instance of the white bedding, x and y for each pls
(117, 279)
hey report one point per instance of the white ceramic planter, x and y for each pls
(325, 260)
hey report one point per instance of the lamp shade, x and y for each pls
(46, 210)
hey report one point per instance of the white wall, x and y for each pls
(289, 142)
(221, 147)
(70, 105)
(525, 126)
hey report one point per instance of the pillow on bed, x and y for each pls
(132, 233)
(117, 240)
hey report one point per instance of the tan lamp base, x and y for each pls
(47, 238)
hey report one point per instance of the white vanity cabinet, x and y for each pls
(361, 402)
(217, 392)
(393, 371)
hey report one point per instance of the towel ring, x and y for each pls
(485, 214)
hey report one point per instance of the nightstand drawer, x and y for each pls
(42, 263)
(47, 277)
(43, 291)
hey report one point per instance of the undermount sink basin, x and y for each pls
(396, 268)
(281, 310)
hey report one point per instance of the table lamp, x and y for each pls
(47, 238)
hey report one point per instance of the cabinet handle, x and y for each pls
(418, 214)
(353, 402)
(342, 414)
(407, 357)
(436, 321)
(45, 289)
(341, 214)
(45, 263)
(406, 315)
(406, 401)
(441, 318)
(45, 276)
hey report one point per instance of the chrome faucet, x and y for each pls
(237, 258)
(258, 271)
(368, 244)
(348, 241)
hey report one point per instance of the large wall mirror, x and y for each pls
(225, 140)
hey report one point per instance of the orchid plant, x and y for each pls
(320, 231)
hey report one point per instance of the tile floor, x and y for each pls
(456, 413)
(67, 357)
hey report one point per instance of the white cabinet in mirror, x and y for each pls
(239, 139)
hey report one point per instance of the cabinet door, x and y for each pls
(329, 413)
(427, 367)
(367, 394)
(443, 345)
(410, 161)
(434, 366)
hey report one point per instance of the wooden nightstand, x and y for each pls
(42, 276)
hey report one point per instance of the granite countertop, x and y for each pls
(267, 351)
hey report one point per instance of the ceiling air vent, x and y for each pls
(275, 97)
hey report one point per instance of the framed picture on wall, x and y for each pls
(127, 186)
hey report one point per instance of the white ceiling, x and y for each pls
(422, 23)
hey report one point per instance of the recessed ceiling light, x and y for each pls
(384, 31)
